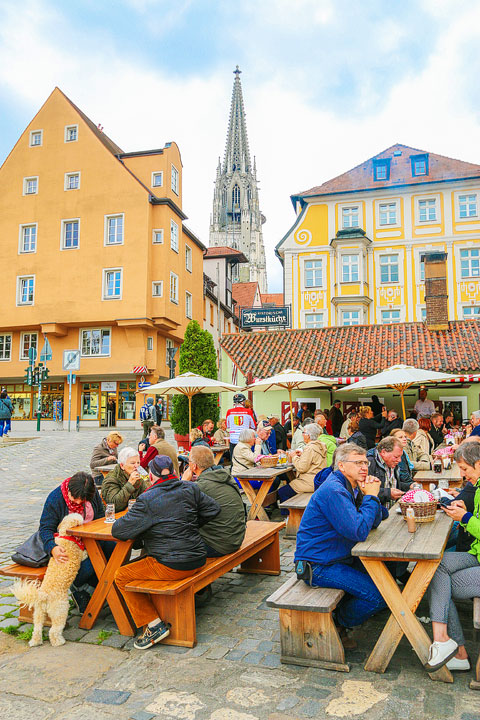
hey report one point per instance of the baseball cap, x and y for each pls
(160, 463)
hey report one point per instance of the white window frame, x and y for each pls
(107, 219)
(188, 258)
(70, 127)
(394, 310)
(157, 174)
(63, 225)
(188, 305)
(22, 227)
(460, 260)
(28, 179)
(175, 180)
(457, 398)
(93, 329)
(105, 272)
(22, 356)
(19, 303)
(4, 336)
(174, 298)
(36, 132)
(422, 313)
(349, 265)
(389, 212)
(149, 343)
(348, 212)
(429, 203)
(159, 284)
(174, 232)
(475, 316)
(389, 265)
(345, 311)
(314, 270)
(320, 315)
(157, 233)
(68, 176)
(465, 194)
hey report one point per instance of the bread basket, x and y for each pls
(268, 461)
(424, 512)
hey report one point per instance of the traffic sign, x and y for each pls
(144, 384)
(46, 353)
(32, 354)
(71, 360)
(71, 378)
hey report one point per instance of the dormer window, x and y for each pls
(381, 169)
(419, 165)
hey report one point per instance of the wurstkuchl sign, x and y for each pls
(265, 317)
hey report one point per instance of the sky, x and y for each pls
(326, 84)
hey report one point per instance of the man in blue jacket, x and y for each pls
(340, 514)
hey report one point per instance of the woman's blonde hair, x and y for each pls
(364, 410)
(195, 433)
(222, 420)
(115, 437)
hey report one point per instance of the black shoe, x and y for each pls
(151, 636)
(81, 598)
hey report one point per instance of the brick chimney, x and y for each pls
(436, 295)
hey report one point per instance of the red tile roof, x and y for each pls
(223, 251)
(359, 350)
(272, 299)
(244, 293)
(361, 177)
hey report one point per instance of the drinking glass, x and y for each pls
(110, 513)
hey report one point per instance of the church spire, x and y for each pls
(237, 153)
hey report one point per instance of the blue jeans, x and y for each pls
(86, 574)
(362, 599)
(3, 426)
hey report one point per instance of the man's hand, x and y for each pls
(456, 513)
(134, 478)
(188, 474)
(141, 447)
(371, 485)
(458, 503)
(395, 494)
(60, 554)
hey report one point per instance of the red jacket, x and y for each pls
(147, 455)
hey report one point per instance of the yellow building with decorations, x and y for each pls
(354, 253)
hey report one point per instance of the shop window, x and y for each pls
(26, 290)
(30, 186)
(95, 342)
(36, 138)
(52, 400)
(71, 133)
(21, 398)
(89, 401)
(27, 341)
(157, 179)
(114, 230)
(126, 400)
(5, 347)
(28, 238)
(175, 180)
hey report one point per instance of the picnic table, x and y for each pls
(218, 451)
(92, 533)
(452, 475)
(258, 496)
(391, 541)
(105, 469)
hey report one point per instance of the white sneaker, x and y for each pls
(439, 654)
(459, 665)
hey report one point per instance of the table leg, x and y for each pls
(218, 457)
(256, 498)
(106, 589)
(403, 620)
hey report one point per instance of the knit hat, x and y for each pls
(160, 463)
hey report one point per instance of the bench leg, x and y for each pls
(311, 638)
(179, 611)
(266, 561)
(26, 616)
(293, 522)
(475, 684)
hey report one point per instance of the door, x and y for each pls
(108, 409)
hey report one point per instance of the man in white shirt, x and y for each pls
(424, 407)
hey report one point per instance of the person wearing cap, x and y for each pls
(124, 482)
(336, 418)
(239, 418)
(167, 517)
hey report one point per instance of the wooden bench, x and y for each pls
(308, 635)
(25, 573)
(475, 684)
(295, 506)
(175, 600)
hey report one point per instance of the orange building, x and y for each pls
(95, 256)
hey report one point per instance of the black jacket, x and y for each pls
(369, 427)
(280, 437)
(168, 516)
(392, 425)
(377, 469)
(336, 418)
(359, 439)
(437, 436)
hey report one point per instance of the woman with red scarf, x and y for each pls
(76, 494)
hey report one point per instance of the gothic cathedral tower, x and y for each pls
(236, 220)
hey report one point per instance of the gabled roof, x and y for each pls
(340, 351)
(272, 299)
(244, 293)
(361, 177)
(225, 252)
(109, 144)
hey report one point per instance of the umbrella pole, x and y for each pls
(291, 411)
(189, 420)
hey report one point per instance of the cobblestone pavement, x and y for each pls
(234, 672)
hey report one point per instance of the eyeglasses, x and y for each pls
(360, 463)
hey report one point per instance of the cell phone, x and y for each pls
(444, 502)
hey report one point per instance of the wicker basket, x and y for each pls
(269, 461)
(424, 512)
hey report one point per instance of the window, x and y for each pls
(175, 179)
(70, 234)
(188, 305)
(149, 342)
(36, 138)
(113, 229)
(389, 268)
(27, 341)
(467, 206)
(72, 181)
(470, 263)
(157, 288)
(314, 320)
(427, 210)
(169, 345)
(95, 342)
(174, 288)
(419, 164)
(157, 237)
(381, 169)
(112, 284)
(174, 235)
(469, 313)
(188, 258)
(236, 195)
(157, 179)
(5, 347)
(387, 213)
(30, 186)
(422, 270)
(350, 268)
(71, 133)
(25, 290)
(350, 217)
(390, 317)
(350, 317)
(28, 238)
(313, 273)
(423, 314)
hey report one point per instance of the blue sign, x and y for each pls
(144, 384)
(71, 379)
(46, 353)
(265, 317)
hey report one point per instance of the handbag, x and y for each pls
(31, 552)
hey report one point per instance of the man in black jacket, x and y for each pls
(280, 434)
(336, 418)
(167, 516)
(393, 423)
(382, 463)
(436, 429)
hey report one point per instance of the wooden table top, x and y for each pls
(392, 539)
(452, 473)
(96, 529)
(106, 468)
(259, 473)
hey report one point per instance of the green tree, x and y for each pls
(197, 354)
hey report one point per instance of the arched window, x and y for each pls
(236, 195)
(224, 196)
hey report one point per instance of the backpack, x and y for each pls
(145, 413)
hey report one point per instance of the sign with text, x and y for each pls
(265, 317)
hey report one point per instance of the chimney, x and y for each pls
(436, 295)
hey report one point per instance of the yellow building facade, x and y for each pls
(95, 256)
(354, 253)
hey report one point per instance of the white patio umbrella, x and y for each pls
(399, 377)
(190, 384)
(290, 380)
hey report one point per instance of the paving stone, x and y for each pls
(272, 661)
(437, 704)
(248, 644)
(217, 653)
(116, 641)
(265, 646)
(142, 715)
(8, 622)
(253, 658)
(288, 703)
(311, 709)
(309, 691)
(235, 655)
(198, 651)
(90, 637)
(108, 697)
(74, 633)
